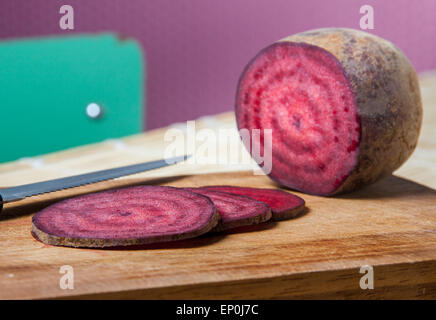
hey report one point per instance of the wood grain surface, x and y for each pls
(390, 225)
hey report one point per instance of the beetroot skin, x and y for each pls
(235, 210)
(284, 205)
(344, 107)
(129, 216)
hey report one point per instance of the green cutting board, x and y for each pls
(47, 83)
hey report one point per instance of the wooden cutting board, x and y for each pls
(390, 226)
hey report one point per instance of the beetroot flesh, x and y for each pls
(128, 216)
(343, 106)
(284, 205)
(236, 210)
(303, 94)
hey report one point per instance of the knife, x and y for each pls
(33, 189)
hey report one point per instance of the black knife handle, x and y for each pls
(1, 203)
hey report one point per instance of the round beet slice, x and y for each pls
(284, 205)
(236, 210)
(343, 105)
(128, 216)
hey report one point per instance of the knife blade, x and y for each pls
(29, 190)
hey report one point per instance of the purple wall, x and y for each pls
(196, 49)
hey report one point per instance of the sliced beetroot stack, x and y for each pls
(343, 105)
(284, 205)
(129, 216)
(236, 210)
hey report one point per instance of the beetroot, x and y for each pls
(284, 205)
(344, 107)
(236, 211)
(129, 216)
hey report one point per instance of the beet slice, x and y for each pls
(284, 205)
(236, 210)
(344, 107)
(128, 216)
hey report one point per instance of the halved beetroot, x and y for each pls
(284, 205)
(129, 216)
(343, 105)
(236, 210)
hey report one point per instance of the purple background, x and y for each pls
(196, 49)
